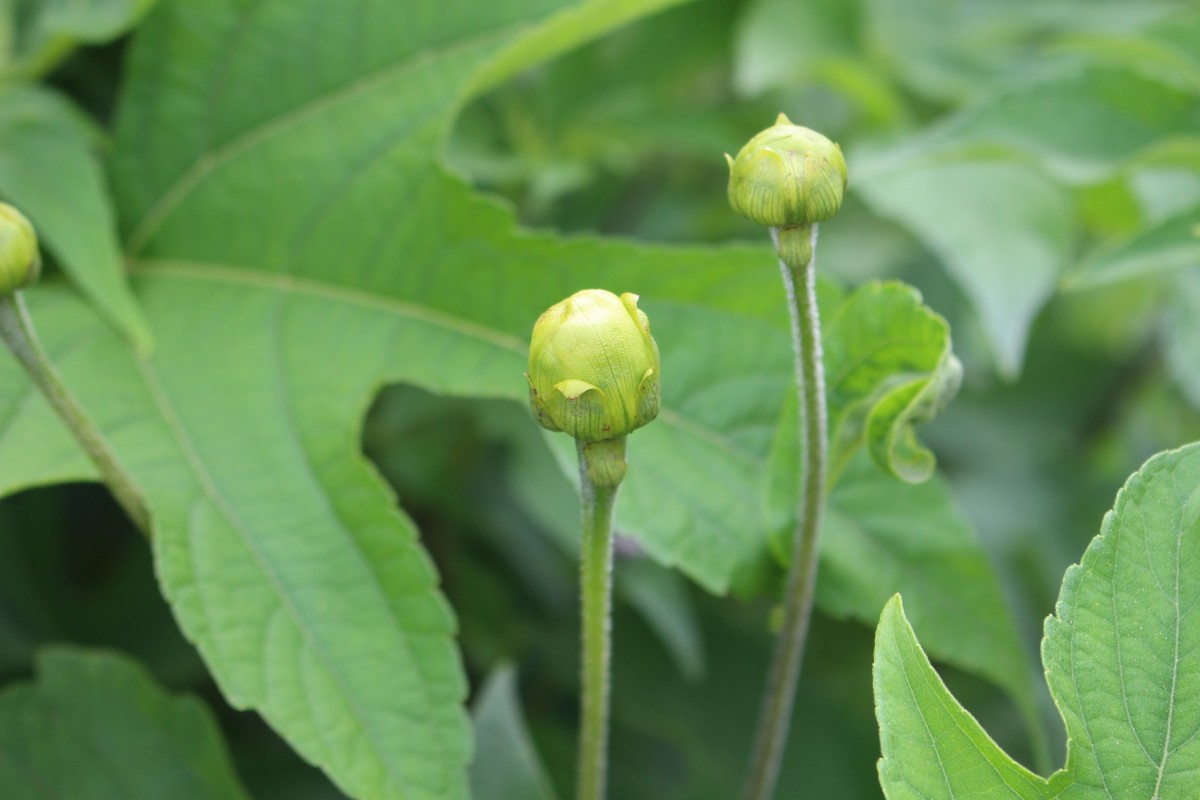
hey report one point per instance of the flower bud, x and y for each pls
(593, 367)
(787, 175)
(20, 263)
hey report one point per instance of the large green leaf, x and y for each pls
(1121, 659)
(296, 248)
(96, 727)
(49, 170)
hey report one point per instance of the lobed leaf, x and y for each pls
(337, 257)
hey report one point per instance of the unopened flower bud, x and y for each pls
(20, 262)
(787, 175)
(594, 367)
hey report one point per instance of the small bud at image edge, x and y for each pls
(20, 262)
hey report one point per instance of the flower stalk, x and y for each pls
(598, 500)
(789, 178)
(17, 331)
(799, 280)
(20, 265)
(594, 374)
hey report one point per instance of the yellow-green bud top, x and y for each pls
(787, 175)
(594, 367)
(20, 262)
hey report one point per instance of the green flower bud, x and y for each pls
(20, 263)
(787, 175)
(594, 367)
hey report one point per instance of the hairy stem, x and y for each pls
(16, 329)
(795, 247)
(596, 563)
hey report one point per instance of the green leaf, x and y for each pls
(932, 748)
(1120, 656)
(881, 537)
(506, 765)
(1170, 244)
(1002, 229)
(96, 727)
(49, 170)
(984, 189)
(280, 550)
(888, 367)
(1083, 121)
(1120, 651)
(51, 29)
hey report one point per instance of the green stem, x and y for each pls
(599, 495)
(16, 329)
(795, 247)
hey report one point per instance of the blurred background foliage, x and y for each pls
(1072, 127)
